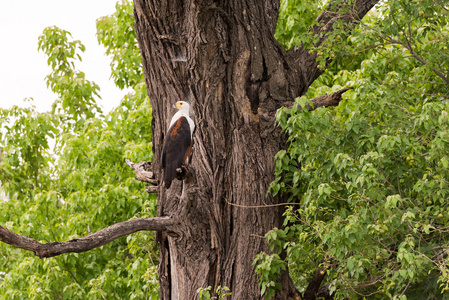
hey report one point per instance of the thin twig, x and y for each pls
(261, 206)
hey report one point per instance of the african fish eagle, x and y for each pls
(177, 143)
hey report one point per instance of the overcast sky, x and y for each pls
(23, 68)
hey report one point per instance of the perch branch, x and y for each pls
(142, 173)
(110, 233)
(86, 243)
(152, 189)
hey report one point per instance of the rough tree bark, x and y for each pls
(222, 57)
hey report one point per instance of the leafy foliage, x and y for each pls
(116, 33)
(296, 17)
(76, 94)
(221, 292)
(64, 175)
(371, 174)
(269, 269)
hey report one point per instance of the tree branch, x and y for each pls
(314, 284)
(349, 13)
(326, 100)
(86, 243)
(142, 173)
(152, 189)
(407, 45)
(111, 233)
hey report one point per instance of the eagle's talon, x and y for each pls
(180, 173)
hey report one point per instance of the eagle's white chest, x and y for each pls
(186, 115)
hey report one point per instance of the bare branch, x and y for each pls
(152, 189)
(326, 100)
(86, 243)
(441, 255)
(142, 173)
(111, 233)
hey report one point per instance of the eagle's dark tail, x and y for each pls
(168, 177)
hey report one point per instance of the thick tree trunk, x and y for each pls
(221, 57)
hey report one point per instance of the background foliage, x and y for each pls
(371, 174)
(65, 175)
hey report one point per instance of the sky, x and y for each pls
(23, 68)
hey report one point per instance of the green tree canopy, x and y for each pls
(64, 175)
(371, 175)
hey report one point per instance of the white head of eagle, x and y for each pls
(177, 143)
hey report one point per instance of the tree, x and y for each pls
(223, 59)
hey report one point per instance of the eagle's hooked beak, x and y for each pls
(174, 105)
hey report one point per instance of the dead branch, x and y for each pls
(86, 243)
(142, 171)
(152, 189)
(326, 100)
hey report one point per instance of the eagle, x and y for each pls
(177, 143)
